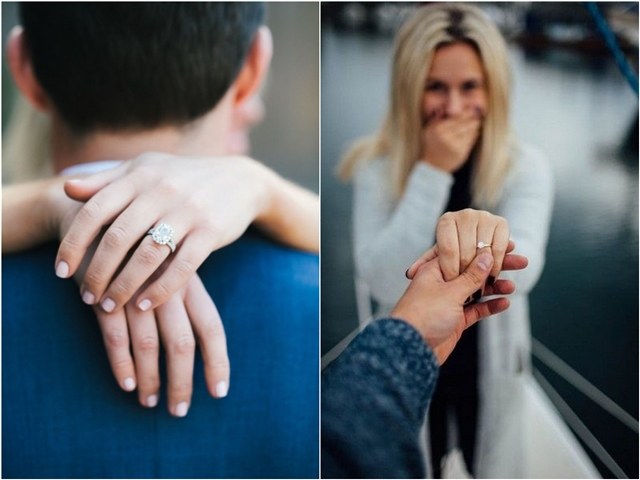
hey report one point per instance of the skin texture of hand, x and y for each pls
(457, 237)
(188, 314)
(435, 307)
(209, 202)
(447, 142)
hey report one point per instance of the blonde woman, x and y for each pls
(446, 145)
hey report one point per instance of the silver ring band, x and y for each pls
(482, 245)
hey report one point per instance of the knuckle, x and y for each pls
(120, 365)
(168, 187)
(184, 267)
(148, 345)
(161, 292)
(220, 364)
(447, 217)
(115, 237)
(467, 214)
(93, 278)
(69, 245)
(180, 389)
(90, 212)
(115, 339)
(184, 345)
(148, 382)
(213, 332)
(120, 290)
(446, 249)
(150, 255)
(465, 260)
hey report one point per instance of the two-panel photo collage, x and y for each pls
(320, 240)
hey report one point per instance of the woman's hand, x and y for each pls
(447, 142)
(174, 323)
(209, 202)
(189, 314)
(457, 237)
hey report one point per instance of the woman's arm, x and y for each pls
(39, 211)
(388, 237)
(209, 203)
(30, 213)
(292, 216)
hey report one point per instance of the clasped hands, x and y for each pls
(144, 295)
(453, 269)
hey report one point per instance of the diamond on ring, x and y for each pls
(482, 244)
(163, 235)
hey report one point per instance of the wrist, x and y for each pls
(51, 205)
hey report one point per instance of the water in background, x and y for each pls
(585, 306)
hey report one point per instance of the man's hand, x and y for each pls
(435, 307)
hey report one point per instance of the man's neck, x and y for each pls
(203, 137)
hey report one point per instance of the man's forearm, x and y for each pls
(374, 399)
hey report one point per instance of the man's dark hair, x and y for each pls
(133, 66)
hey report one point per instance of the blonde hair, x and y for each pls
(400, 136)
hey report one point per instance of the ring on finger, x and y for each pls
(483, 245)
(163, 235)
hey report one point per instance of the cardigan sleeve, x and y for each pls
(527, 204)
(374, 399)
(390, 235)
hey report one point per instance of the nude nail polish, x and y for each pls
(108, 305)
(88, 298)
(221, 389)
(144, 305)
(181, 409)
(62, 270)
(129, 384)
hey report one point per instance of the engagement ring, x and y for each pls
(163, 235)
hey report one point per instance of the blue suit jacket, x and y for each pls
(64, 416)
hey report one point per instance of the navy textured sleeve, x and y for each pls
(374, 399)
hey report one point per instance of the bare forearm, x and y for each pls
(292, 215)
(27, 214)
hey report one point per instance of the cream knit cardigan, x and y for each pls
(389, 235)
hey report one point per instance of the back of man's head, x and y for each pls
(136, 66)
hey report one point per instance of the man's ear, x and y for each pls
(22, 70)
(255, 67)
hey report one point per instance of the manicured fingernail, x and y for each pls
(406, 274)
(221, 389)
(62, 270)
(181, 409)
(88, 298)
(144, 305)
(129, 384)
(108, 305)
(152, 401)
(485, 260)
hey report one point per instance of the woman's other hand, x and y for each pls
(188, 315)
(447, 142)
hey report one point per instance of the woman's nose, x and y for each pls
(455, 104)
